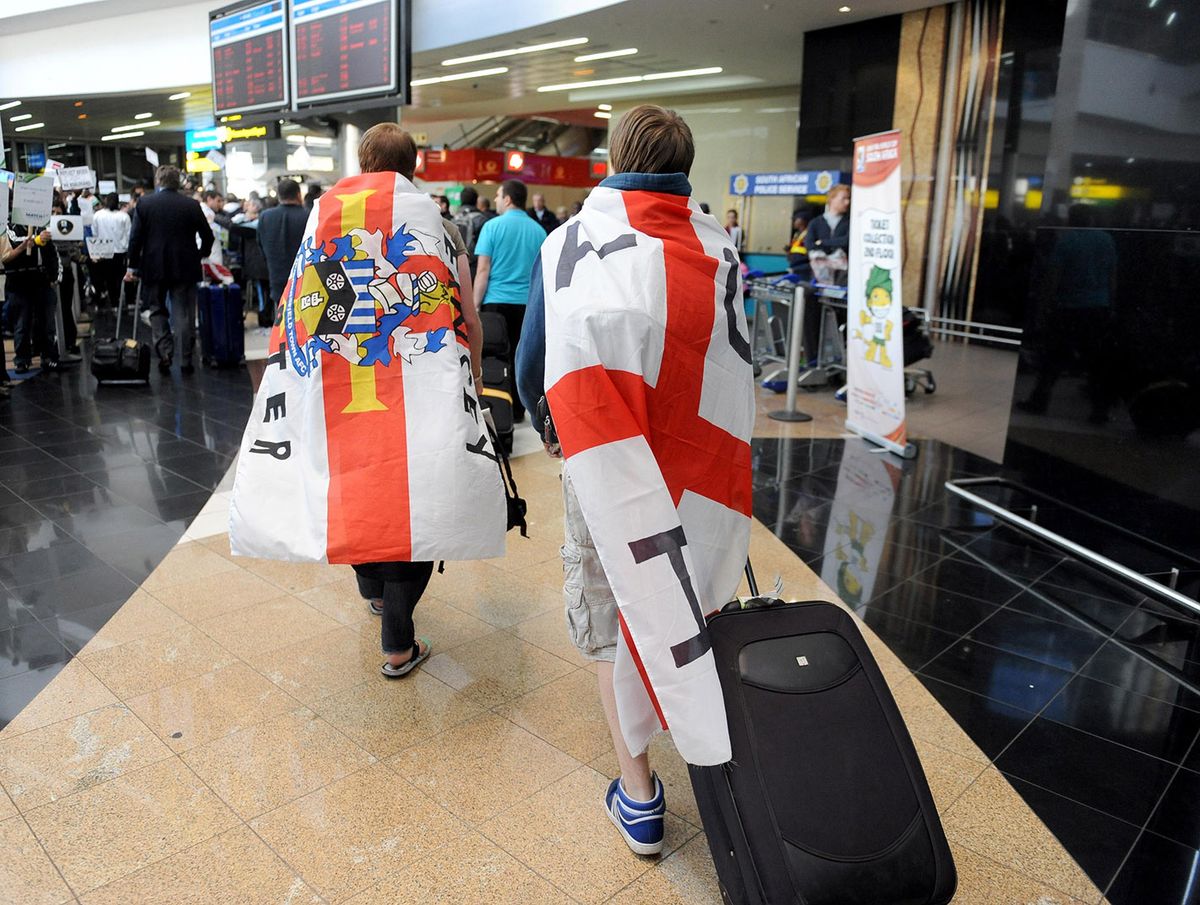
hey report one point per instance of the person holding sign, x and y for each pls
(31, 268)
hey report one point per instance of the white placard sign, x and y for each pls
(72, 178)
(152, 157)
(875, 336)
(100, 248)
(66, 228)
(53, 166)
(33, 197)
(3, 203)
(107, 186)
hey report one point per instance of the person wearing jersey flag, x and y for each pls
(636, 335)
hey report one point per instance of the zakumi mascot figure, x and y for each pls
(878, 316)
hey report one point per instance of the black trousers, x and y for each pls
(400, 586)
(514, 316)
(34, 300)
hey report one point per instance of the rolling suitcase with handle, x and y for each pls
(497, 388)
(824, 801)
(222, 325)
(117, 360)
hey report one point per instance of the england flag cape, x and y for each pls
(651, 391)
(366, 442)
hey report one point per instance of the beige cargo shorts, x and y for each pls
(591, 607)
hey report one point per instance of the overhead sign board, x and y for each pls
(248, 44)
(804, 182)
(346, 49)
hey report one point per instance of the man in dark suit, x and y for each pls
(170, 235)
(543, 215)
(280, 231)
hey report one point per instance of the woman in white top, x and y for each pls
(112, 223)
(732, 228)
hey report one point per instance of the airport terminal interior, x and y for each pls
(1009, 515)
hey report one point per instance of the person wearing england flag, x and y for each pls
(634, 353)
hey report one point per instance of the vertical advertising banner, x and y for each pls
(875, 347)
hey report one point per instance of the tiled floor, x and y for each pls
(217, 730)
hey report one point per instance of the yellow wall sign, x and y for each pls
(230, 133)
(198, 163)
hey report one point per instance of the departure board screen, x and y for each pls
(345, 48)
(249, 57)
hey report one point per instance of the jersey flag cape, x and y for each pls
(366, 442)
(651, 391)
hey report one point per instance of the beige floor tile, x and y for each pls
(566, 713)
(7, 808)
(139, 617)
(205, 598)
(493, 594)
(210, 706)
(220, 544)
(187, 562)
(927, 721)
(991, 819)
(323, 665)
(548, 573)
(75, 690)
(277, 623)
(113, 829)
(339, 600)
(563, 833)
(549, 632)
(361, 830)
(949, 774)
(293, 577)
(481, 767)
(269, 764)
(672, 771)
(685, 878)
(496, 668)
(146, 664)
(467, 870)
(385, 715)
(981, 881)
(27, 876)
(83, 751)
(234, 867)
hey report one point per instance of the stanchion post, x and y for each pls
(795, 339)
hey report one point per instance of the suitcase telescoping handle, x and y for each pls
(750, 582)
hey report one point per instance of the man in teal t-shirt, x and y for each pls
(507, 247)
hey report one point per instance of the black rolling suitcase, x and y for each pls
(824, 801)
(498, 387)
(117, 360)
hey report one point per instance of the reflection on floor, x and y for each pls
(1084, 694)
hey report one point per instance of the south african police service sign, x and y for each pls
(805, 182)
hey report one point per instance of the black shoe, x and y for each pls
(164, 366)
(187, 369)
(22, 368)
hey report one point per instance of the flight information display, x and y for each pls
(345, 48)
(249, 57)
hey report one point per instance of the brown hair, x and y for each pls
(167, 177)
(837, 190)
(386, 147)
(651, 139)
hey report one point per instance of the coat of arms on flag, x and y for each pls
(366, 442)
(651, 389)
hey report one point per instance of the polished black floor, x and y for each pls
(1084, 693)
(97, 484)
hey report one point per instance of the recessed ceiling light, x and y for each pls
(604, 106)
(82, 116)
(142, 115)
(843, 9)
(152, 122)
(681, 74)
(630, 79)
(20, 117)
(122, 135)
(606, 54)
(514, 51)
(459, 76)
(10, 105)
(1171, 18)
(602, 114)
(79, 103)
(180, 96)
(29, 127)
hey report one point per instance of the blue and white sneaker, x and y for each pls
(639, 822)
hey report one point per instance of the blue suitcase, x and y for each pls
(222, 325)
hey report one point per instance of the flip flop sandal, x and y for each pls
(417, 658)
(375, 606)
